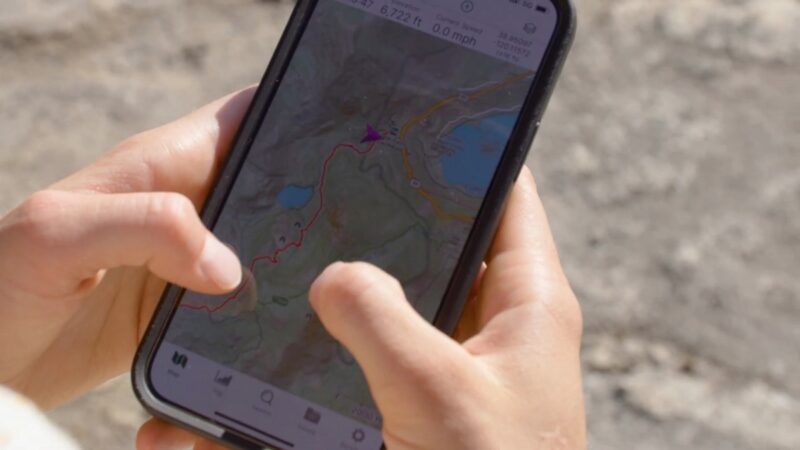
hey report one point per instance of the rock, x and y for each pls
(606, 355)
(756, 413)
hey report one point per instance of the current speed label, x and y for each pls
(454, 34)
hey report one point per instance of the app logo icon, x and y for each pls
(359, 435)
(179, 359)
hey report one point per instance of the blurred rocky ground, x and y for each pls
(669, 162)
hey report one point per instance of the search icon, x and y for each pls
(267, 396)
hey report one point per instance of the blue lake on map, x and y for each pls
(295, 197)
(478, 147)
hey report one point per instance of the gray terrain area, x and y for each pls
(669, 162)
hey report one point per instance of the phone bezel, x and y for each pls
(466, 269)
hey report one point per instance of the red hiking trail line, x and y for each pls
(273, 258)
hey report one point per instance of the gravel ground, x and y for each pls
(669, 162)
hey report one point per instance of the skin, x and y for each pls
(83, 263)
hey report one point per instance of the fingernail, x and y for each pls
(220, 264)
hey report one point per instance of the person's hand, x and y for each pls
(510, 380)
(83, 263)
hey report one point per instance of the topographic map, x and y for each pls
(378, 147)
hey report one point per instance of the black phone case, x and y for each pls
(468, 265)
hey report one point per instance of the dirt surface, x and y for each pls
(669, 162)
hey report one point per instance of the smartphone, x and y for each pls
(386, 131)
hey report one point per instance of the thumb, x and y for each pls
(69, 238)
(365, 309)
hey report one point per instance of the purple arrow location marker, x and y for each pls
(372, 135)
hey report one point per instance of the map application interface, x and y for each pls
(379, 146)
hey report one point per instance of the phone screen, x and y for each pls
(379, 145)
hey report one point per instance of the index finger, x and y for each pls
(523, 266)
(524, 226)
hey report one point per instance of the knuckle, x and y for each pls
(38, 217)
(133, 144)
(171, 217)
(549, 294)
(167, 212)
(434, 372)
(566, 312)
